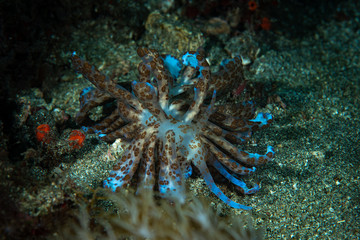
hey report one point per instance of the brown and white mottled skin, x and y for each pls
(168, 133)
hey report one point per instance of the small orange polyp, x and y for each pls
(252, 5)
(43, 132)
(76, 139)
(265, 23)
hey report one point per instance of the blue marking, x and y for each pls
(270, 149)
(234, 180)
(190, 60)
(86, 90)
(149, 84)
(196, 93)
(173, 65)
(85, 129)
(201, 165)
(188, 172)
(263, 118)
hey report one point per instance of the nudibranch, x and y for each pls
(172, 123)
